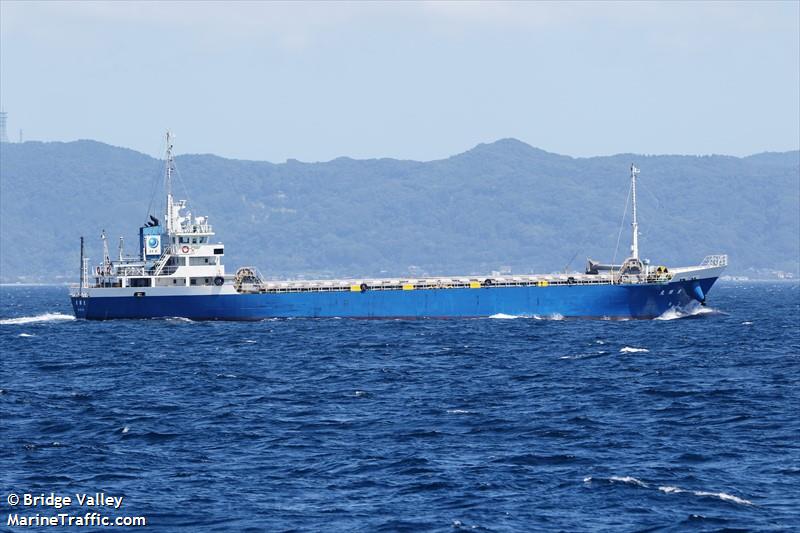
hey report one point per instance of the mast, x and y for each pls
(106, 257)
(80, 283)
(169, 182)
(635, 222)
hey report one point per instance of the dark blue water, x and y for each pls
(428, 425)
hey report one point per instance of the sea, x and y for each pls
(690, 422)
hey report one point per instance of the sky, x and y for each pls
(413, 80)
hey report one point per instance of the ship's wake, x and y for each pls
(46, 317)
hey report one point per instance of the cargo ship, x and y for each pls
(178, 271)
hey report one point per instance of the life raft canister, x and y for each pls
(218, 281)
(185, 249)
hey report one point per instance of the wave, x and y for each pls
(669, 489)
(724, 496)
(598, 353)
(25, 335)
(46, 317)
(629, 480)
(629, 349)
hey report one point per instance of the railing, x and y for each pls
(75, 291)
(715, 260)
(433, 284)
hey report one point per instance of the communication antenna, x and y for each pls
(3, 121)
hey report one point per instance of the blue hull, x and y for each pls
(587, 301)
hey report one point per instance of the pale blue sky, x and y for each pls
(314, 81)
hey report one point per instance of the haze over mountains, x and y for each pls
(504, 205)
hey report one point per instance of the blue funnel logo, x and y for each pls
(152, 242)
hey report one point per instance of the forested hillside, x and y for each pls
(499, 205)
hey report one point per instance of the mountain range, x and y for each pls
(500, 206)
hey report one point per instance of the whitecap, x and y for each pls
(46, 317)
(724, 496)
(747, 323)
(504, 316)
(25, 335)
(628, 349)
(628, 479)
(125, 429)
(458, 411)
(361, 393)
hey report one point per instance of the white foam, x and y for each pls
(693, 308)
(747, 323)
(180, 319)
(361, 393)
(47, 317)
(554, 316)
(458, 411)
(628, 349)
(504, 316)
(628, 479)
(670, 490)
(25, 335)
(125, 429)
